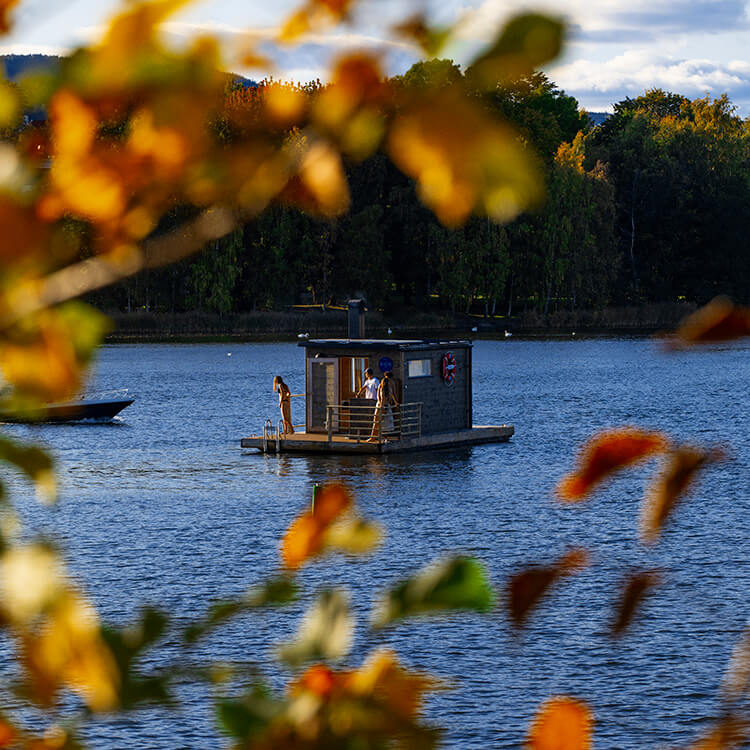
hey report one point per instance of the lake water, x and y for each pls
(164, 507)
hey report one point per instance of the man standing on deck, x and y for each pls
(370, 386)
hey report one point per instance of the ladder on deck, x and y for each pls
(269, 437)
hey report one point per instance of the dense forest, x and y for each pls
(649, 206)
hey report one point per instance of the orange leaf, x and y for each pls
(605, 454)
(719, 320)
(304, 538)
(525, 589)
(729, 732)
(334, 500)
(318, 679)
(561, 724)
(398, 688)
(7, 734)
(669, 488)
(23, 233)
(6, 6)
(636, 588)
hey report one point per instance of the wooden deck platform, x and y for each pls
(305, 442)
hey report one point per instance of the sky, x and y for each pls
(614, 49)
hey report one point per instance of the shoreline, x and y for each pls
(187, 328)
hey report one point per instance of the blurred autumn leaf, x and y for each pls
(314, 15)
(34, 462)
(526, 588)
(6, 7)
(605, 454)
(472, 162)
(720, 320)
(325, 633)
(459, 583)
(736, 682)
(44, 356)
(636, 588)
(728, 733)
(561, 724)
(683, 464)
(276, 592)
(430, 39)
(526, 42)
(323, 530)
(66, 649)
(377, 705)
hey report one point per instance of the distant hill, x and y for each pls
(16, 65)
(597, 118)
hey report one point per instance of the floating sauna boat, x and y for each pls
(433, 385)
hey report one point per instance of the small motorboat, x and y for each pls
(105, 407)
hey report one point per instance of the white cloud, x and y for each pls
(599, 84)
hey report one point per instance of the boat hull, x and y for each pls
(72, 411)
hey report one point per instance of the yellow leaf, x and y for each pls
(285, 105)
(353, 535)
(131, 29)
(296, 25)
(30, 580)
(73, 125)
(322, 185)
(463, 160)
(10, 108)
(69, 650)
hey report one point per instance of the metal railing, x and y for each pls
(363, 423)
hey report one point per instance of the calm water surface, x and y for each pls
(164, 507)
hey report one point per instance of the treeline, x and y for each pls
(650, 206)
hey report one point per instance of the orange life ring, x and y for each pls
(449, 368)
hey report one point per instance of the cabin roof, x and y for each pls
(364, 345)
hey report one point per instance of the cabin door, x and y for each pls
(323, 391)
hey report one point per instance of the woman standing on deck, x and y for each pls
(386, 397)
(285, 403)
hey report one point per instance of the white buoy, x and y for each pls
(390, 331)
(508, 334)
(229, 354)
(474, 329)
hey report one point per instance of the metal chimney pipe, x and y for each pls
(356, 318)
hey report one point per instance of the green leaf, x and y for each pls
(87, 327)
(127, 644)
(325, 632)
(34, 462)
(247, 718)
(276, 592)
(527, 41)
(459, 583)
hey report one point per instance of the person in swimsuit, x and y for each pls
(285, 403)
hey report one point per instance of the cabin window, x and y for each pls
(420, 368)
